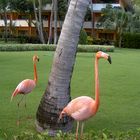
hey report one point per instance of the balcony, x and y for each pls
(97, 8)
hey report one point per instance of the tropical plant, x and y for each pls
(24, 7)
(21, 6)
(83, 37)
(133, 23)
(113, 19)
(57, 93)
(119, 20)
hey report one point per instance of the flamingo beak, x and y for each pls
(109, 59)
(38, 59)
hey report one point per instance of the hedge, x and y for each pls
(131, 40)
(45, 47)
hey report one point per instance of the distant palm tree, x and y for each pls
(55, 20)
(57, 93)
(51, 19)
(38, 18)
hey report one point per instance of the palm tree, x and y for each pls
(57, 93)
(55, 20)
(50, 28)
(21, 6)
(38, 18)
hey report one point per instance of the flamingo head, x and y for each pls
(35, 58)
(106, 56)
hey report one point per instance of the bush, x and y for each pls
(131, 40)
(45, 47)
(102, 42)
(90, 40)
(95, 48)
(26, 39)
(83, 37)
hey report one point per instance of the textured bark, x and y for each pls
(39, 21)
(55, 21)
(5, 21)
(57, 94)
(50, 28)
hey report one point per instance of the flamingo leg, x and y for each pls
(25, 102)
(82, 127)
(27, 113)
(18, 120)
(77, 130)
(20, 100)
(25, 106)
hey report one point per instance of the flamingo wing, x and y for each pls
(81, 114)
(80, 108)
(24, 87)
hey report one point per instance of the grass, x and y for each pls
(119, 89)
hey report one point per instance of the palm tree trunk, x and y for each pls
(50, 28)
(6, 28)
(40, 21)
(57, 93)
(55, 21)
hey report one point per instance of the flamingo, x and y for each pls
(26, 86)
(84, 107)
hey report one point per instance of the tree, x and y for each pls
(133, 22)
(38, 18)
(30, 7)
(57, 93)
(113, 19)
(50, 28)
(55, 20)
(3, 11)
(22, 6)
(58, 11)
(119, 20)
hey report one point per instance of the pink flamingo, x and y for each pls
(84, 107)
(27, 85)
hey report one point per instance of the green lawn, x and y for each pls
(119, 89)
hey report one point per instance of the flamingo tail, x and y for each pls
(14, 94)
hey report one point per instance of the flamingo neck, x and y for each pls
(35, 73)
(97, 100)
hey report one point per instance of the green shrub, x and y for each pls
(45, 47)
(102, 41)
(95, 48)
(89, 40)
(92, 135)
(83, 37)
(131, 40)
